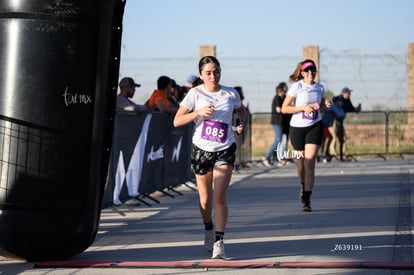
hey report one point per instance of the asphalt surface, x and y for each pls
(361, 224)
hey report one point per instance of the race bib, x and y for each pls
(312, 115)
(214, 131)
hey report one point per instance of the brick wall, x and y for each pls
(262, 135)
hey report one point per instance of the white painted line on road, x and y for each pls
(244, 240)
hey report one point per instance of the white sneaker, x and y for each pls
(218, 250)
(266, 162)
(209, 240)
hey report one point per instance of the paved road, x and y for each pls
(361, 224)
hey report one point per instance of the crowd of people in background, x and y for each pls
(165, 98)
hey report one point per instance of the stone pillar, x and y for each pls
(207, 50)
(312, 52)
(410, 91)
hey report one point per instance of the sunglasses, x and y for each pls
(311, 68)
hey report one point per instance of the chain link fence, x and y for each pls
(368, 133)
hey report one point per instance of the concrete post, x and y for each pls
(207, 50)
(312, 52)
(410, 91)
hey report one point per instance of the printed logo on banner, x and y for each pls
(176, 152)
(154, 155)
(134, 172)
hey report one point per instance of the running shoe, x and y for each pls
(218, 250)
(307, 207)
(266, 162)
(132, 202)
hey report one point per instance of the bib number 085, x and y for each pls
(214, 131)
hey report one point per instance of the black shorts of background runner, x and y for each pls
(306, 135)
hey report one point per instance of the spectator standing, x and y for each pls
(127, 88)
(277, 121)
(333, 113)
(173, 96)
(210, 106)
(348, 107)
(181, 92)
(159, 98)
(191, 79)
(304, 100)
(240, 137)
(285, 130)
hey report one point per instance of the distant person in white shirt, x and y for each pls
(123, 102)
(305, 100)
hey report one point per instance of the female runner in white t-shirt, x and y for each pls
(305, 100)
(210, 106)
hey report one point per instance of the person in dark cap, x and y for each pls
(127, 86)
(348, 107)
(332, 118)
(190, 81)
(280, 125)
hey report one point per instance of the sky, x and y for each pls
(156, 29)
(166, 28)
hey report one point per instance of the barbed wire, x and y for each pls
(379, 81)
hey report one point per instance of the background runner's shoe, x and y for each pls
(307, 207)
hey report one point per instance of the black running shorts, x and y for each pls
(203, 161)
(300, 136)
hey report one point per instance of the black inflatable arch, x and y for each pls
(58, 83)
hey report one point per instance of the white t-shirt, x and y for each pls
(213, 134)
(306, 94)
